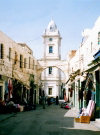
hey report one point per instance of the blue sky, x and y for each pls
(25, 21)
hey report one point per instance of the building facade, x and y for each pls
(18, 68)
(51, 76)
(84, 70)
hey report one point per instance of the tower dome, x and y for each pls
(52, 26)
(51, 29)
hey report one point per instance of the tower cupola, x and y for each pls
(51, 29)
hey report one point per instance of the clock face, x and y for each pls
(50, 39)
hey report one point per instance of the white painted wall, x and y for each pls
(84, 55)
(51, 84)
(51, 80)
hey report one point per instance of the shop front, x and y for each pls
(97, 76)
(94, 82)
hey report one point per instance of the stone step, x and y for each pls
(96, 123)
(98, 120)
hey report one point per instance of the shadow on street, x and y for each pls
(49, 121)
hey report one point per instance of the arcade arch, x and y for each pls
(62, 67)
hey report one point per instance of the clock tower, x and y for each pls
(52, 42)
(51, 76)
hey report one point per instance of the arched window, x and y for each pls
(98, 38)
(1, 51)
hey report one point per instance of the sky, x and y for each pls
(24, 21)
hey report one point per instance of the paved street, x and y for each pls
(50, 121)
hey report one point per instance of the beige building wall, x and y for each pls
(17, 63)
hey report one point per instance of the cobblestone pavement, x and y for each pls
(50, 121)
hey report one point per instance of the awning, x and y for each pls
(67, 80)
(97, 55)
(94, 62)
(93, 68)
(74, 74)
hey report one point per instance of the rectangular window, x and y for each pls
(33, 64)
(50, 91)
(50, 49)
(16, 58)
(29, 62)
(1, 51)
(9, 54)
(50, 70)
(99, 38)
(25, 63)
(21, 61)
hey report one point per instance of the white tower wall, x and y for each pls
(51, 77)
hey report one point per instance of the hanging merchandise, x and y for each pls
(10, 88)
(84, 94)
(89, 87)
(71, 92)
(6, 91)
(6, 87)
(89, 79)
(88, 96)
(80, 95)
(65, 98)
(93, 95)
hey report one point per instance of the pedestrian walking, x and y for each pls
(57, 100)
(48, 101)
(43, 100)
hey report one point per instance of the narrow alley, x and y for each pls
(50, 121)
